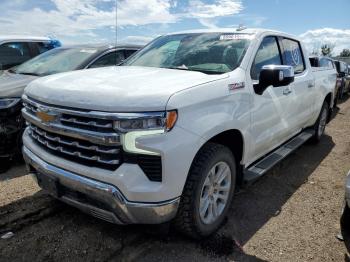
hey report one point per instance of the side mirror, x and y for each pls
(275, 75)
(341, 74)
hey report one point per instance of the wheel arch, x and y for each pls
(329, 99)
(234, 140)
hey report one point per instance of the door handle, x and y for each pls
(287, 91)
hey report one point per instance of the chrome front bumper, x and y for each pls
(99, 199)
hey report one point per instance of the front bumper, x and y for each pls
(11, 129)
(99, 199)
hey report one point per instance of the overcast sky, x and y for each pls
(82, 21)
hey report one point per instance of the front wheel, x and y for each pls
(321, 123)
(208, 191)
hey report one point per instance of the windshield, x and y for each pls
(55, 61)
(210, 53)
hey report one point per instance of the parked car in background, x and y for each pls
(347, 79)
(174, 131)
(345, 217)
(342, 69)
(322, 63)
(58, 60)
(15, 50)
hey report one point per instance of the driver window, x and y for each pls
(268, 54)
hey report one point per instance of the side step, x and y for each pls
(259, 168)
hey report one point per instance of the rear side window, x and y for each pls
(268, 54)
(110, 59)
(43, 46)
(12, 54)
(129, 52)
(314, 61)
(292, 55)
(325, 62)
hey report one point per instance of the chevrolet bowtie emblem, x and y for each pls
(46, 117)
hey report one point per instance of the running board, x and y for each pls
(258, 169)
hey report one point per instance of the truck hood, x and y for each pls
(116, 89)
(12, 85)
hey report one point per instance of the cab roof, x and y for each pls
(238, 30)
(23, 37)
(102, 47)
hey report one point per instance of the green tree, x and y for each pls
(345, 53)
(327, 49)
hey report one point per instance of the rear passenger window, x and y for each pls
(43, 47)
(110, 59)
(292, 55)
(12, 54)
(268, 54)
(129, 53)
(324, 62)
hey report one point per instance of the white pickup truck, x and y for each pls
(172, 133)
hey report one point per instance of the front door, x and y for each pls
(273, 110)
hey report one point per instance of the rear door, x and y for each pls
(302, 89)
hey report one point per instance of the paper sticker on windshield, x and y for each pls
(90, 51)
(235, 37)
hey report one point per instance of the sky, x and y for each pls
(316, 22)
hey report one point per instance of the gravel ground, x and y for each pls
(291, 214)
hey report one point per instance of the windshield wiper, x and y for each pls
(28, 73)
(183, 67)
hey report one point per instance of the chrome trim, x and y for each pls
(94, 137)
(121, 211)
(43, 138)
(76, 144)
(96, 114)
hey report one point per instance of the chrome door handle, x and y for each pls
(287, 91)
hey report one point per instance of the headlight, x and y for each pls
(144, 125)
(147, 121)
(8, 102)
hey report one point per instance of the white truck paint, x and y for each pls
(207, 106)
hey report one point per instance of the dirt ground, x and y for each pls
(291, 214)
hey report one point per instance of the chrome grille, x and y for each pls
(84, 125)
(82, 151)
(85, 137)
(101, 125)
(74, 119)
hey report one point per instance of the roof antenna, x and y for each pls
(116, 31)
(241, 27)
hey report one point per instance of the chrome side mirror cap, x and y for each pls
(275, 75)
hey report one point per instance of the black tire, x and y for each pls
(188, 220)
(336, 99)
(345, 220)
(5, 164)
(318, 133)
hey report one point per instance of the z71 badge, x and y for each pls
(235, 86)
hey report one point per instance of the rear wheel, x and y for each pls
(321, 123)
(336, 99)
(208, 191)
